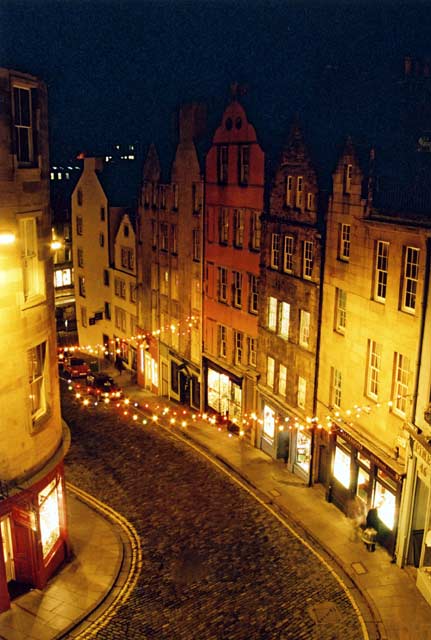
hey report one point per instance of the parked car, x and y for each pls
(102, 385)
(75, 368)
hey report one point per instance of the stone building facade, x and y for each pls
(289, 312)
(374, 285)
(234, 190)
(33, 527)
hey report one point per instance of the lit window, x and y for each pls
(283, 320)
(340, 310)
(299, 191)
(288, 254)
(36, 377)
(344, 246)
(49, 517)
(275, 251)
(342, 467)
(270, 368)
(374, 362)
(272, 313)
(401, 386)
(268, 423)
(308, 260)
(174, 284)
(336, 388)
(381, 274)
(282, 378)
(304, 329)
(310, 200)
(410, 280)
(32, 269)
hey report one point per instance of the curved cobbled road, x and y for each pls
(216, 564)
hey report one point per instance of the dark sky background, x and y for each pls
(117, 70)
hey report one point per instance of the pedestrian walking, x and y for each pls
(119, 365)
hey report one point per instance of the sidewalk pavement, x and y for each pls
(396, 610)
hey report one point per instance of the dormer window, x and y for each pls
(244, 164)
(347, 178)
(222, 164)
(299, 191)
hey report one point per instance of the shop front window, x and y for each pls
(268, 423)
(384, 502)
(303, 450)
(363, 485)
(49, 517)
(224, 396)
(342, 467)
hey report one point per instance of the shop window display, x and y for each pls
(342, 467)
(49, 517)
(303, 451)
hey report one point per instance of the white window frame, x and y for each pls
(238, 226)
(23, 130)
(270, 372)
(222, 284)
(237, 289)
(340, 310)
(401, 384)
(288, 254)
(381, 271)
(288, 191)
(283, 319)
(252, 351)
(255, 230)
(275, 251)
(336, 387)
(299, 191)
(302, 392)
(308, 258)
(37, 359)
(410, 278)
(345, 240)
(282, 380)
(222, 341)
(304, 328)
(239, 346)
(253, 293)
(32, 268)
(272, 313)
(374, 367)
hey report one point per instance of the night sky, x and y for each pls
(117, 70)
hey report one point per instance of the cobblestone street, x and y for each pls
(216, 564)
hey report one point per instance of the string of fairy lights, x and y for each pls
(243, 423)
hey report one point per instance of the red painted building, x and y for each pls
(234, 201)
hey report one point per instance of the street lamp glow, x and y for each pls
(7, 238)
